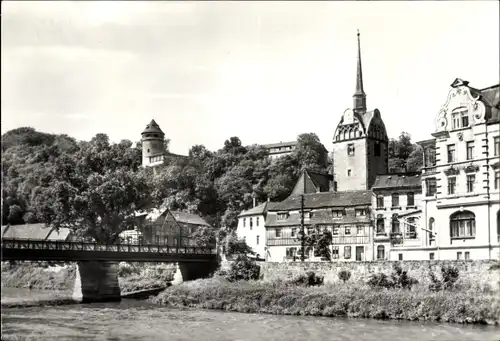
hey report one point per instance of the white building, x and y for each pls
(461, 179)
(251, 228)
(277, 150)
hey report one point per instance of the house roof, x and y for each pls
(258, 210)
(188, 218)
(153, 127)
(280, 144)
(325, 199)
(26, 231)
(319, 179)
(491, 98)
(401, 180)
(62, 234)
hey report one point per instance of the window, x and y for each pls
(430, 185)
(258, 237)
(395, 200)
(431, 256)
(470, 150)
(380, 201)
(335, 231)
(460, 118)
(497, 179)
(350, 149)
(411, 230)
(347, 230)
(452, 184)
(347, 252)
(459, 255)
(360, 212)
(380, 252)
(471, 179)
(337, 213)
(464, 117)
(244, 222)
(467, 255)
(462, 224)
(359, 230)
(257, 221)
(430, 157)
(395, 226)
(410, 199)
(294, 232)
(496, 145)
(165, 240)
(348, 172)
(335, 252)
(282, 216)
(251, 223)
(291, 252)
(380, 226)
(400, 256)
(451, 153)
(377, 148)
(455, 119)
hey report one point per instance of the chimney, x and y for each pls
(253, 201)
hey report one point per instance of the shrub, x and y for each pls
(243, 268)
(398, 279)
(449, 274)
(344, 275)
(307, 279)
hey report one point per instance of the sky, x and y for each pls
(262, 71)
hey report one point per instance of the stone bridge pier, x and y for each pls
(188, 271)
(96, 281)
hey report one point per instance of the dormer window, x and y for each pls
(282, 216)
(360, 212)
(338, 213)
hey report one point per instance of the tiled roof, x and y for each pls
(280, 144)
(407, 180)
(152, 127)
(188, 218)
(27, 231)
(325, 199)
(320, 180)
(259, 209)
(490, 96)
(62, 234)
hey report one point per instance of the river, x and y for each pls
(139, 320)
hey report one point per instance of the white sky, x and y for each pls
(264, 72)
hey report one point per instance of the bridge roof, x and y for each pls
(26, 231)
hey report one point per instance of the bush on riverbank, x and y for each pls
(137, 276)
(333, 300)
(40, 276)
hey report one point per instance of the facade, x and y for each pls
(251, 228)
(396, 205)
(360, 143)
(277, 150)
(164, 227)
(461, 179)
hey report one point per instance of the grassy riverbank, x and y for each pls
(353, 300)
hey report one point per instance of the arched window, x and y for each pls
(380, 252)
(395, 200)
(345, 134)
(395, 225)
(462, 224)
(380, 226)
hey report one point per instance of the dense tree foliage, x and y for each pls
(404, 156)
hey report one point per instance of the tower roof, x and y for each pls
(359, 94)
(153, 127)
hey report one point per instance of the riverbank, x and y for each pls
(353, 300)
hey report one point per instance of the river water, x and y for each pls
(139, 320)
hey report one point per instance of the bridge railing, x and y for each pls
(89, 246)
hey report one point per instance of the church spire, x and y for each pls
(359, 96)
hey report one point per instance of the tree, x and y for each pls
(404, 156)
(310, 153)
(320, 239)
(235, 246)
(95, 191)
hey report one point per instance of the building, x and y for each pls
(251, 227)
(165, 227)
(360, 143)
(153, 146)
(461, 177)
(396, 203)
(280, 149)
(37, 231)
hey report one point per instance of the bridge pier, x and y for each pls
(96, 281)
(188, 271)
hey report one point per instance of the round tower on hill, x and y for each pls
(153, 150)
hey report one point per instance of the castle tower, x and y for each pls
(153, 151)
(360, 143)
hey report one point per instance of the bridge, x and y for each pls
(97, 264)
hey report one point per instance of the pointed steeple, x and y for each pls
(359, 96)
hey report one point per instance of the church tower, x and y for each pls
(360, 143)
(153, 151)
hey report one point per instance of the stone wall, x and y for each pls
(475, 272)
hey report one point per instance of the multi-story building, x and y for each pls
(397, 214)
(153, 146)
(251, 228)
(460, 177)
(280, 149)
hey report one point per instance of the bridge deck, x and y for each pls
(18, 249)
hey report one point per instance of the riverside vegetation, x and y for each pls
(396, 296)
